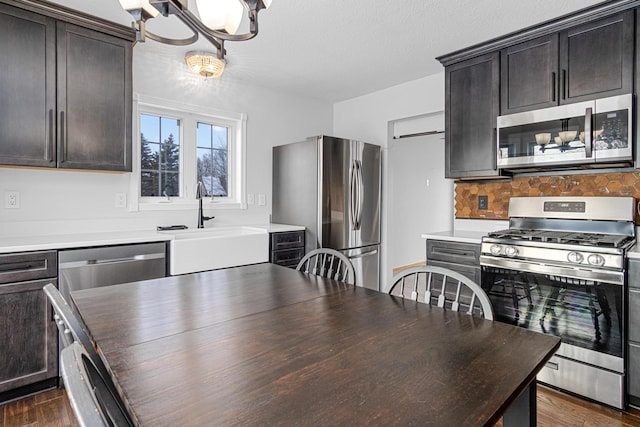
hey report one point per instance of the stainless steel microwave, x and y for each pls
(583, 133)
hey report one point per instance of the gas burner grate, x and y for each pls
(569, 238)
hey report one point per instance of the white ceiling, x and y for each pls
(340, 49)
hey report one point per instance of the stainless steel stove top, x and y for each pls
(581, 237)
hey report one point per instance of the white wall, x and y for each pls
(367, 118)
(56, 201)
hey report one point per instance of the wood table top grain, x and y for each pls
(266, 345)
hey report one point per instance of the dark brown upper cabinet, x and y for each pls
(529, 75)
(27, 88)
(65, 94)
(94, 100)
(593, 60)
(472, 101)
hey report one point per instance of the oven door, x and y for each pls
(586, 313)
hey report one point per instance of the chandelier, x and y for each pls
(218, 22)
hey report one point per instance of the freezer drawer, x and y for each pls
(366, 262)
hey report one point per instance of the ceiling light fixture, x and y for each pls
(205, 63)
(218, 21)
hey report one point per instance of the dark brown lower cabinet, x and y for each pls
(286, 248)
(29, 337)
(461, 257)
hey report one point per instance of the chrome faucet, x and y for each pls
(200, 193)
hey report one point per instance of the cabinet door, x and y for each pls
(28, 335)
(27, 88)
(94, 100)
(596, 59)
(471, 108)
(528, 75)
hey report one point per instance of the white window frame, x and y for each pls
(189, 116)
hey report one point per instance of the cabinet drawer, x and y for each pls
(634, 315)
(455, 252)
(287, 240)
(287, 257)
(28, 266)
(471, 272)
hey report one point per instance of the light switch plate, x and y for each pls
(262, 200)
(251, 199)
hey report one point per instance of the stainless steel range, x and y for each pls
(560, 269)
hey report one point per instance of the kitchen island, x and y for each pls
(263, 344)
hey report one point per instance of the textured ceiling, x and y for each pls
(339, 49)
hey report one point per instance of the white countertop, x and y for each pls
(463, 236)
(634, 252)
(67, 241)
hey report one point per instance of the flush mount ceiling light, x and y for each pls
(218, 21)
(206, 64)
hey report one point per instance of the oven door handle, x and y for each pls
(605, 276)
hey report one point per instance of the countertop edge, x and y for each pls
(461, 236)
(17, 244)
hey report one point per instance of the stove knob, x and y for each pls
(511, 251)
(595, 259)
(495, 249)
(575, 257)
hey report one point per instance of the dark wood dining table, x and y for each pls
(267, 345)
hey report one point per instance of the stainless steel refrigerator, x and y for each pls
(332, 187)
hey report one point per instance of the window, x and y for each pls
(180, 146)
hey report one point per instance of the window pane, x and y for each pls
(150, 128)
(149, 183)
(204, 135)
(170, 129)
(220, 173)
(220, 137)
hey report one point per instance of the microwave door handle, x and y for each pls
(588, 136)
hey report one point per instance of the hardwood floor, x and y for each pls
(555, 409)
(47, 409)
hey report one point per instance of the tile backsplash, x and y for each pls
(499, 192)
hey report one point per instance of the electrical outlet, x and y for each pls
(11, 200)
(262, 200)
(483, 202)
(121, 200)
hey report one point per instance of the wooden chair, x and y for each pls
(72, 331)
(328, 263)
(442, 287)
(90, 398)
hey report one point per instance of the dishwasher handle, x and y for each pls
(135, 258)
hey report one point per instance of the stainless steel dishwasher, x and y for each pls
(109, 265)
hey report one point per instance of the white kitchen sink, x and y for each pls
(204, 249)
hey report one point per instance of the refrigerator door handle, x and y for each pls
(360, 194)
(364, 254)
(352, 200)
